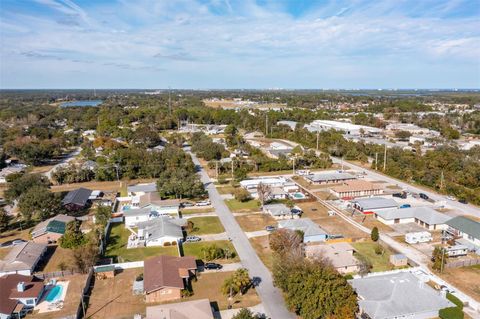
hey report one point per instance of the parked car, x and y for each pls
(400, 195)
(203, 203)
(405, 206)
(423, 196)
(213, 266)
(191, 239)
(187, 204)
(463, 201)
(270, 228)
(451, 198)
(18, 242)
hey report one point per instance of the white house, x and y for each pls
(161, 231)
(134, 216)
(423, 216)
(465, 231)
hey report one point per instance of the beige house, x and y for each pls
(166, 276)
(341, 256)
(356, 188)
(198, 309)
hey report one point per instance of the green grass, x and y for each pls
(206, 225)
(225, 189)
(188, 211)
(379, 262)
(195, 249)
(117, 247)
(237, 206)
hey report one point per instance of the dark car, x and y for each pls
(270, 228)
(400, 195)
(423, 196)
(213, 266)
(463, 201)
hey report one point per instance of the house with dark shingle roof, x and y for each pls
(76, 199)
(165, 277)
(19, 294)
(50, 230)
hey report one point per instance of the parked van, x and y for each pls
(418, 237)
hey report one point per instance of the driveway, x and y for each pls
(225, 267)
(257, 233)
(271, 297)
(210, 237)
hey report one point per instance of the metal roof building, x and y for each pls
(374, 203)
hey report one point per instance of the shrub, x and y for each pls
(379, 250)
(139, 277)
(167, 244)
(455, 300)
(451, 313)
(242, 195)
(374, 235)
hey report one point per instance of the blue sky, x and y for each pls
(239, 44)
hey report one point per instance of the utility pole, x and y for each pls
(232, 170)
(294, 165)
(318, 136)
(266, 124)
(376, 161)
(385, 159)
(169, 102)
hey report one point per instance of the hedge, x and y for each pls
(451, 313)
(455, 300)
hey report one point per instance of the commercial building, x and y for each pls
(356, 188)
(398, 295)
(373, 204)
(327, 178)
(423, 216)
(341, 256)
(280, 187)
(345, 127)
(311, 231)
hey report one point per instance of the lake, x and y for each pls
(81, 103)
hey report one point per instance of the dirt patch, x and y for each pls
(15, 234)
(262, 248)
(254, 222)
(369, 221)
(113, 298)
(462, 278)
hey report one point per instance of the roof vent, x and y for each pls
(21, 286)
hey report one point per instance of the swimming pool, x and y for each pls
(298, 195)
(54, 294)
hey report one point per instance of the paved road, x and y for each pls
(63, 162)
(271, 297)
(464, 208)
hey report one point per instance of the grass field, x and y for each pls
(225, 189)
(237, 206)
(254, 222)
(379, 262)
(206, 225)
(195, 249)
(187, 211)
(262, 248)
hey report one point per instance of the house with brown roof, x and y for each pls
(165, 277)
(22, 259)
(49, 231)
(341, 256)
(356, 188)
(18, 295)
(198, 309)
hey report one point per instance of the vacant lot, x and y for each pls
(225, 189)
(237, 206)
(262, 248)
(254, 222)
(379, 262)
(463, 278)
(196, 249)
(113, 297)
(206, 225)
(209, 286)
(369, 221)
(56, 259)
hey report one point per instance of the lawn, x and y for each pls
(237, 206)
(226, 189)
(254, 222)
(195, 249)
(379, 262)
(209, 286)
(206, 225)
(55, 256)
(262, 248)
(188, 211)
(117, 247)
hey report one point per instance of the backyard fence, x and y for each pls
(82, 306)
(462, 263)
(104, 241)
(55, 274)
(126, 265)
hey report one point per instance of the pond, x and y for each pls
(81, 103)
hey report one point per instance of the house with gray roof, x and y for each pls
(142, 188)
(76, 199)
(22, 259)
(327, 178)
(311, 231)
(279, 211)
(423, 216)
(398, 295)
(161, 231)
(466, 231)
(372, 204)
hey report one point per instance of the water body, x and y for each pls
(81, 103)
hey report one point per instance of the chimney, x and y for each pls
(21, 286)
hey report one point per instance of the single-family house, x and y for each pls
(140, 189)
(133, 216)
(198, 309)
(356, 188)
(466, 231)
(291, 124)
(397, 295)
(50, 230)
(18, 295)
(9, 170)
(161, 231)
(76, 199)
(279, 211)
(372, 204)
(423, 216)
(278, 193)
(341, 256)
(328, 178)
(311, 231)
(153, 201)
(165, 277)
(22, 259)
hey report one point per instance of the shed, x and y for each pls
(104, 272)
(399, 260)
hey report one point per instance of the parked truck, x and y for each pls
(418, 237)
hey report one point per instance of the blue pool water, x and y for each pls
(298, 195)
(54, 294)
(81, 103)
(126, 207)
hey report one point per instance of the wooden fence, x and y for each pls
(83, 304)
(462, 263)
(55, 274)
